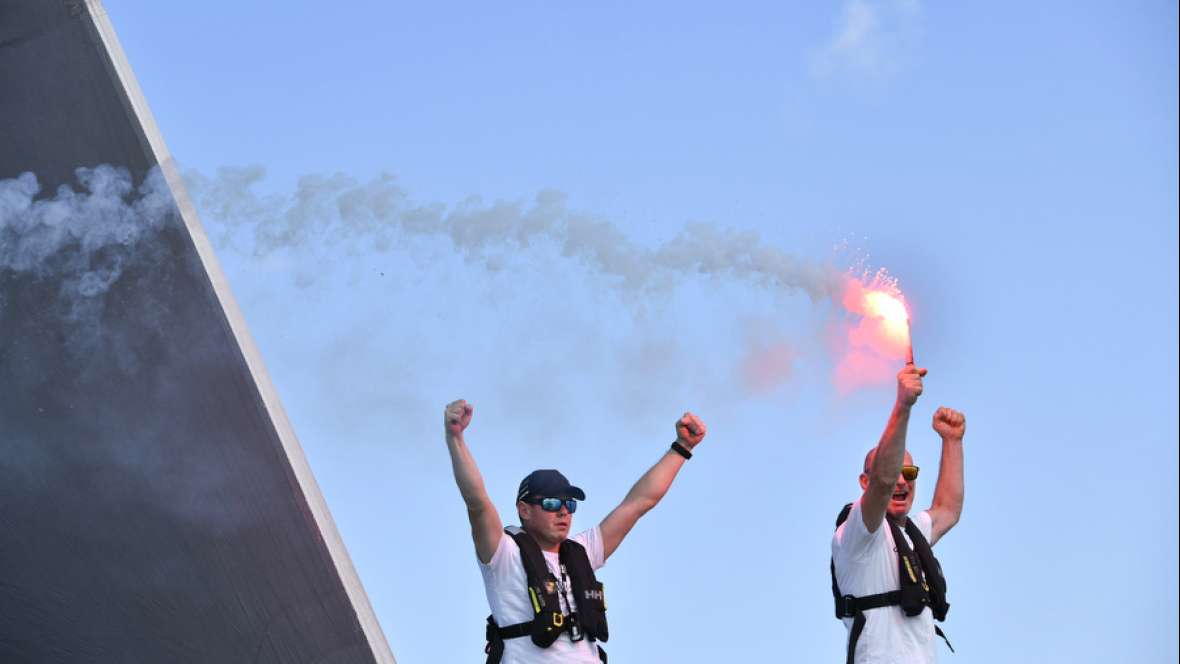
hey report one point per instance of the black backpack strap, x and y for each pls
(938, 631)
(514, 631)
(858, 625)
(536, 572)
(495, 645)
(840, 519)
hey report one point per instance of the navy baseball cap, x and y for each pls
(548, 484)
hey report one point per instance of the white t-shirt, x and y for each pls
(505, 582)
(866, 564)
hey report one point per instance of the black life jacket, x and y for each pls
(922, 584)
(548, 621)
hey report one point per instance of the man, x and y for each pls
(888, 592)
(546, 604)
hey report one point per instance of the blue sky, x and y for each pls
(1014, 165)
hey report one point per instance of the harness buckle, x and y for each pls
(846, 603)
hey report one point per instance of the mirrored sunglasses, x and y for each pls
(554, 504)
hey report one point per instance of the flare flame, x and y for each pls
(872, 346)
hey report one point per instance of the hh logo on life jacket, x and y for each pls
(593, 594)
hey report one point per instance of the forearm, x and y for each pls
(467, 476)
(891, 448)
(646, 493)
(948, 492)
(652, 486)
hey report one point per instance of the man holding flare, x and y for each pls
(887, 585)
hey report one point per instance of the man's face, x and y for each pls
(902, 499)
(552, 527)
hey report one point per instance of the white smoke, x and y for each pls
(83, 237)
(339, 210)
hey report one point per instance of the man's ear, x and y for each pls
(521, 511)
(864, 482)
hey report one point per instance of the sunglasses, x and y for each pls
(554, 504)
(910, 473)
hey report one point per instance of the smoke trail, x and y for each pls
(86, 237)
(82, 239)
(338, 211)
(334, 210)
(104, 321)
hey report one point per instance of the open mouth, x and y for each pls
(900, 496)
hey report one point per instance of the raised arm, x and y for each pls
(486, 528)
(886, 465)
(948, 493)
(650, 488)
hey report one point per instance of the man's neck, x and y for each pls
(551, 547)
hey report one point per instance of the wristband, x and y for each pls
(681, 450)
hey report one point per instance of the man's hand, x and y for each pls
(909, 385)
(690, 430)
(456, 417)
(950, 423)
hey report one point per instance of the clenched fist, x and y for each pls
(909, 384)
(950, 423)
(690, 430)
(456, 417)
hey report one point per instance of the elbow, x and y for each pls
(950, 510)
(884, 483)
(952, 518)
(645, 504)
(478, 507)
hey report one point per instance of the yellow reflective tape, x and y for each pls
(908, 568)
(536, 603)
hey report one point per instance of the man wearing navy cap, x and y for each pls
(547, 605)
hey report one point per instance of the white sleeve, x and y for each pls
(852, 540)
(503, 557)
(592, 540)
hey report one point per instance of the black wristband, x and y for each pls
(681, 450)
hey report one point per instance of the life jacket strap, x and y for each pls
(938, 631)
(855, 607)
(495, 636)
(518, 630)
(515, 631)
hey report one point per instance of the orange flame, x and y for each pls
(874, 344)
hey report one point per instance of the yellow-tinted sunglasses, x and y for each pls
(910, 473)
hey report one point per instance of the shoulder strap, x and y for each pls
(836, 595)
(843, 515)
(535, 569)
